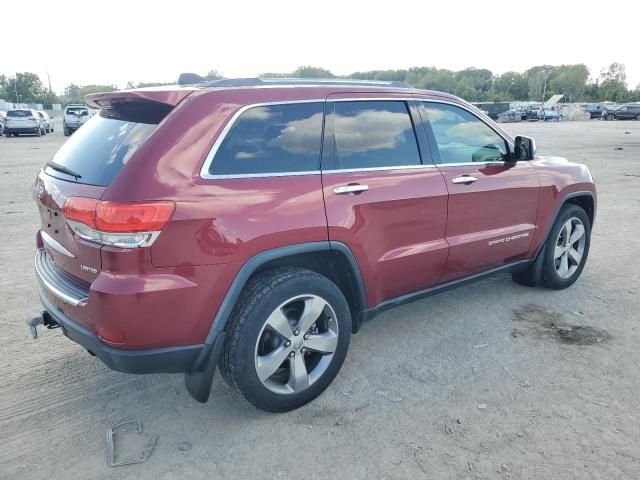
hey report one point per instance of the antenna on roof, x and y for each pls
(189, 78)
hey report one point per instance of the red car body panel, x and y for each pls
(396, 229)
(411, 230)
(492, 221)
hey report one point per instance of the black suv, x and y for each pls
(625, 112)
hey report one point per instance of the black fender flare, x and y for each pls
(533, 270)
(198, 381)
(563, 200)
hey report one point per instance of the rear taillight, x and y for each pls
(126, 225)
(32, 118)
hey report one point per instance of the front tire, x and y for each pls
(567, 248)
(287, 338)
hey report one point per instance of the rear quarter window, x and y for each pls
(271, 139)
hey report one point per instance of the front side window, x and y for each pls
(461, 136)
(272, 139)
(373, 134)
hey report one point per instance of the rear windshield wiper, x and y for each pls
(62, 169)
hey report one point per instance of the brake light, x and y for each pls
(128, 225)
(32, 118)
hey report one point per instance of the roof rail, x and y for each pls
(252, 82)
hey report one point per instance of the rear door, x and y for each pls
(384, 198)
(493, 204)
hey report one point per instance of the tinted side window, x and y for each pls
(461, 136)
(272, 139)
(372, 134)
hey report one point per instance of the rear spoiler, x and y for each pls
(170, 95)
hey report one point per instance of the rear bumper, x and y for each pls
(22, 130)
(156, 360)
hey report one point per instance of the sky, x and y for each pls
(90, 42)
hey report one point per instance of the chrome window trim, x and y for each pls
(466, 164)
(378, 169)
(261, 175)
(204, 171)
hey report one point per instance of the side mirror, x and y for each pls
(524, 148)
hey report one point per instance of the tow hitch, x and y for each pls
(43, 319)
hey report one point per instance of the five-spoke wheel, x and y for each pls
(569, 247)
(286, 339)
(296, 344)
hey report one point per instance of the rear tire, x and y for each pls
(638, 116)
(287, 338)
(39, 133)
(66, 132)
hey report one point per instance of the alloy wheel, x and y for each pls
(296, 344)
(569, 248)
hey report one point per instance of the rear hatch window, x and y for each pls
(19, 113)
(97, 152)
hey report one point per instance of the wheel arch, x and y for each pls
(583, 198)
(332, 259)
(329, 258)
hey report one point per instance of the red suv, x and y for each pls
(254, 225)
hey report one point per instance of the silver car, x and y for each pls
(46, 121)
(21, 121)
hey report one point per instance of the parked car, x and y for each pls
(46, 120)
(73, 118)
(630, 111)
(595, 111)
(226, 225)
(3, 115)
(547, 114)
(21, 121)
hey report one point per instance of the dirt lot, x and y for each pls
(492, 380)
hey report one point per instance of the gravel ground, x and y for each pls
(491, 380)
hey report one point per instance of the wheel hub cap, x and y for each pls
(296, 344)
(569, 248)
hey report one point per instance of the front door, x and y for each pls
(493, 204)
(383, 196)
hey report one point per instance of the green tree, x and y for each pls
(613, 85)
(311, 72)
(23, 87)
(538, 85)
(509, 86)
(213, 75)
(570, 80)
(75, 94)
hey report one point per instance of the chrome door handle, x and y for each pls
(343, 189)
(464, 179)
